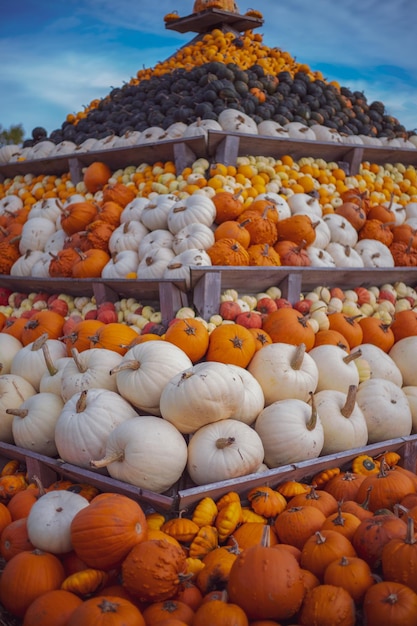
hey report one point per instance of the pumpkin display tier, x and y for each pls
(226, 65)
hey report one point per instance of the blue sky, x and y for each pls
(58, 55)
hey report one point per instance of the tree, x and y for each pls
(14, 135)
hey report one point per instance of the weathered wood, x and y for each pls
(183, 156)
(205, 21)
(291, 287)
(206, 294)
(171, 299)
(75, 170)
(354, 158)
(227, 151)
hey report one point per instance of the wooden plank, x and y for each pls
(227, 151)
(204, 21)
(206, 294)
(291, 287)
(183, 156)
(301, 471)
(171, 299)
(75, 170)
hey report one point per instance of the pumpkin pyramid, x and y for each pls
(224, 67)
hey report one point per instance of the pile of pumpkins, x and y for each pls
(338, 549)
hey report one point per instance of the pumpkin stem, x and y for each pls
(339, 520)
(39, 485)
(48, 360)
(110, 458)
(132, 364)
(320, 538)
(410, 538)
(224, 442)
(266, 536)
(18, 412)
(38, 343)
(81, 402)
(311, 424)
(352, 356)
(75, 355)
(298, 357)
(347, 409)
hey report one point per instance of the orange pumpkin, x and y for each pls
(322, 548)
(261, 227)
(374, 533)
(103, 533)
(43, 322)
(295, 525)
(228, 252)
(96, 176)
(263, 255)
(62, 262)
(77, 215)
(377, 333)
(228, 206)
(404, 324)
(153, 570)
(119, 193)
(327, 605)
(109, 610)
(173, 609)
(27, 576)
(287, 325)
(297, 228)
(230, 229)
(331, 337)
(390, 602)
(53, 608)
(348, 326)
(113, 336)
(90, 263)
(191, 335)
(292, 254)
(231, 344)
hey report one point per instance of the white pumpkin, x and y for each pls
(52, 377)
(381, 364)
(195, 235)
(344, 255)
(284, 371)
(40, 269)
(176, 130)
(89, 369)
(341, 230)
(154, 263)
(237, 121)
(336, 369)
(49, 520)
(121, 264)
(304, 204)
(222, 451)
(281, 204)
(35, 234)
(343, 422)
(56, 241)
(291, 431)
(270, 128)
(145, 451)
(386, 409)
(201, 128)
(205, 393)
(319, 257)
(144, 371)
(30, 362)
(411, 393)
(151, 135)
(24, 264)
(64, 147)
(85, 423)
(403, 354)
(127, 236)
(324, 133)
(51, 208)
(195, 208)
(133, 210)
(297, 130)
(34, 423)
(159, 238)
(9, 347)
(155, 214)
(323, 234)
(179, 266)
(252, 401)
(13, 391)
(374, 253)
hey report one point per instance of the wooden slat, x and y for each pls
(207, 20)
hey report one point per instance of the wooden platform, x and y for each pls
(205, 21)
(183, 496)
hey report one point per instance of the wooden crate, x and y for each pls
(184, 495)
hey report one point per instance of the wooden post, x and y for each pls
(207, 295)
(183, 156)
(228, 150)
(291, 287)
(171, 298)
(75, 170)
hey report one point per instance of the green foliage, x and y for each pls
(14, 135)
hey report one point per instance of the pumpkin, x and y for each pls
(290, 431)
(173, 609)
(228, 251)
(263, 255)
(29, 362)
(322, 548)
(374, 331)
(382, 366)
(107, 529)
(206, 393)
(404, 324)
(190, 335)
(115, 611)
(232, 344)
(52, 608)
(94, 410)
(41, 323)
(113, 336)
(328, 605)
(90, 263)
(14, 538)
(217, 564)
(77, 216)
(228, 206)
(88, 369)
(79, 336)
(292, 254)
(153, 569)
(376, 229)
(277, 589)
(221, 613)
(223, 450)
(389, 487)
(296, 524)
(284, 372)
(353, 212)
(139, 452)
(344, 486)
(348, 326)
(62, 262)
(231, 229)
(389, 602)
(317, 498)
(34, 422)
(350, 573)
(35, 572)
(374, 533)
(398, 557)
(118, 192)
(261, 226)
(194, 208)
(96, 176)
